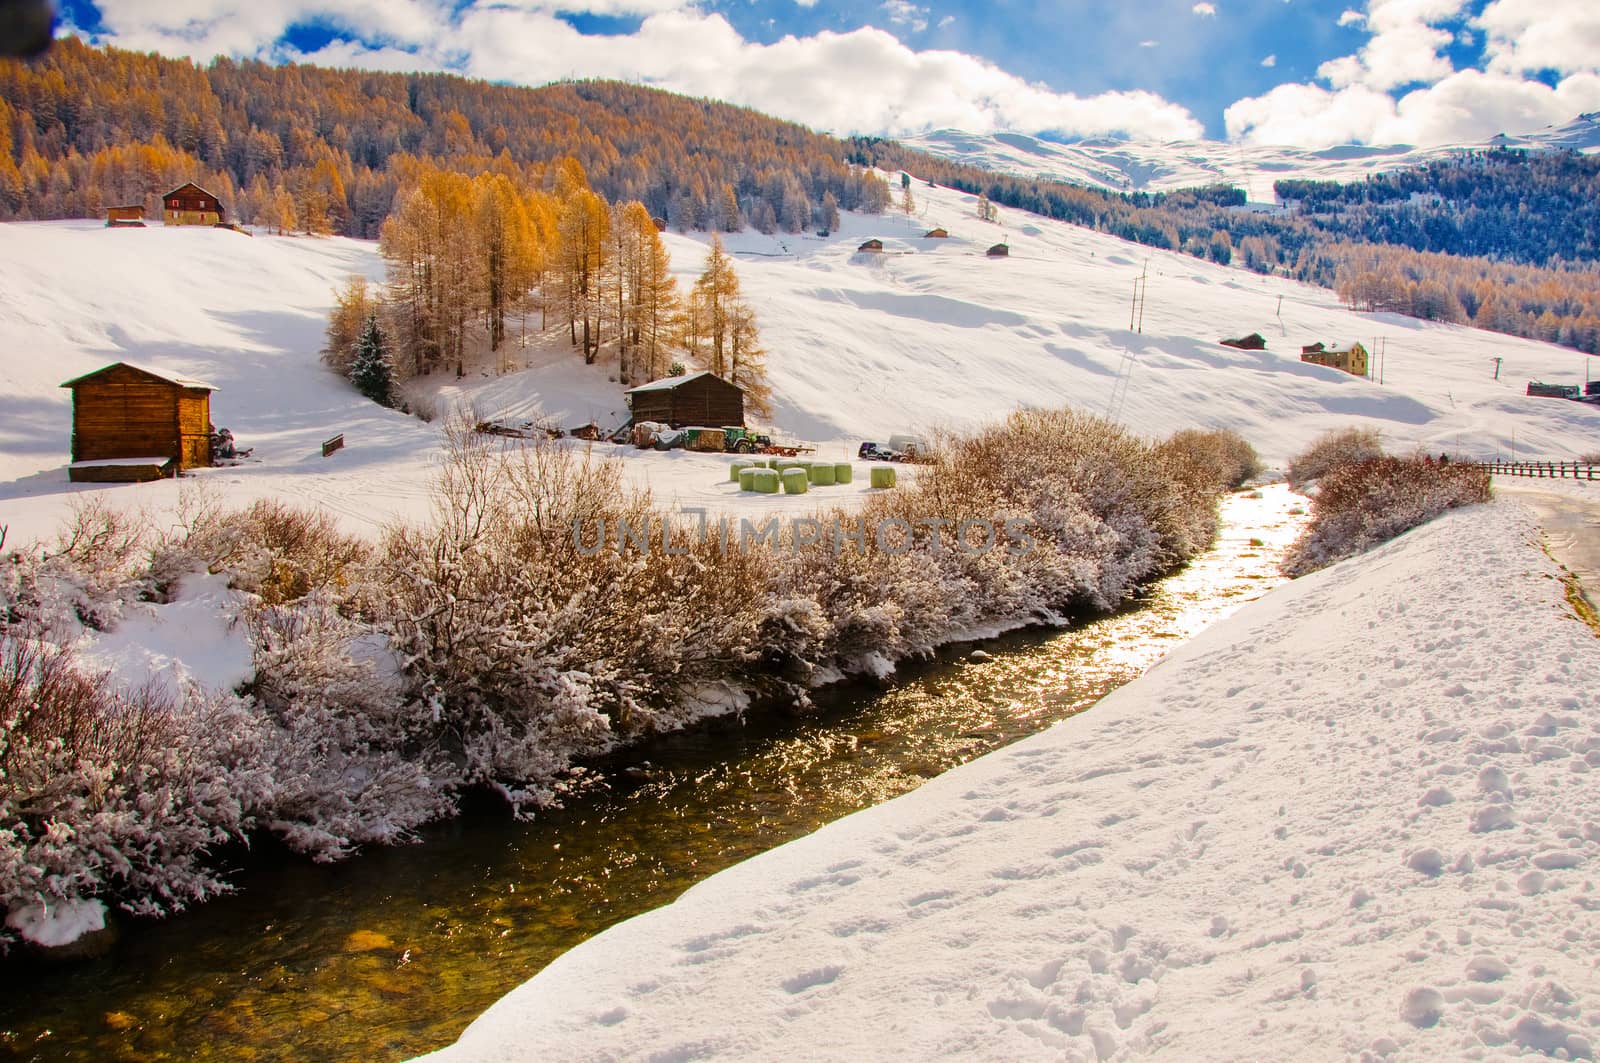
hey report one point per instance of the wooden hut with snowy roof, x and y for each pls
(872, 246)
(701, 398)
(130, 423)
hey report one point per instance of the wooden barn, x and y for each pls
(871, 246)
(130, 423)
(999, 251)
(129, 217)
(936, 234)
(701, 398)
(191, 205)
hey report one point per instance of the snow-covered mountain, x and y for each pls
(1129, 166)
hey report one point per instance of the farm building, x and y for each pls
(874, 245)
(191, 205)
(1352, 359)
(1541, 390)
(130, 423)
(936, 234)
(129, 217)
(701, 398)
(999, 251)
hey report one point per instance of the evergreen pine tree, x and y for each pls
(371, 371)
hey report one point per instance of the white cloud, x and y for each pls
(1467, 107)
(806, 3)
(1270, 61)
(1149, 44)
(905, 13)
(947, 21)
(1350, 17)
(1525, 36)
(1205, 10)
(1404, 48)
(863, 81)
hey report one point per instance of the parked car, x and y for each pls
(914, 448)
(878, 452)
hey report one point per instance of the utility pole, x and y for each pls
(1144, 293)
(1497, 362)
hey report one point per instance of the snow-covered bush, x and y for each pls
(1217, 458)
(1342, 446)
(115, 795)
(1361, 505)
(269, 549)
(95, 567)
(349, 757)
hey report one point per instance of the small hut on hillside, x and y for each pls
(189, 204)
(128, 217)
(131, 423)
(936, 234)
(872, 246)
(999, 251)
(701, 398)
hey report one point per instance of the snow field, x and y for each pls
(1356, 819)
(929, 335)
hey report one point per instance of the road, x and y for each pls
(1571, 528)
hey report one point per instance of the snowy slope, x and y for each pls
(927, 335)
(1359, 816)
(1132, 166)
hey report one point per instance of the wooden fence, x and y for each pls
(1544, 470)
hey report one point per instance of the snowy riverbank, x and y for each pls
(1358, 816)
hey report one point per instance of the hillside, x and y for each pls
(929, 334)
(1135, 166)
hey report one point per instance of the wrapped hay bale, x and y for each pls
(736, 467)
(764, 481)
(795, 481)
(821, 473)
(747, 478)
(883, 476)
(844, 472)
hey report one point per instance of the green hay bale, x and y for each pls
(795, 481)
(764, 481)
(844, 473)
(737, 467)
(747, 479)
(883, 476)
(821, 473)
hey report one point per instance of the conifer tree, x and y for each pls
(371, 371)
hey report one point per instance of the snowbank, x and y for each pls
(1358, 816)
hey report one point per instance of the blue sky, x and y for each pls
(1305, 72)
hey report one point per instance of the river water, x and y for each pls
(393, 953)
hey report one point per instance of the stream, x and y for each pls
(394, 952)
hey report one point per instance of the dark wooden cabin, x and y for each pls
(191, 205)
(130, 423)
(873, 245)
(702, 398)
(999, 251)
(936, 234)
(128, 217)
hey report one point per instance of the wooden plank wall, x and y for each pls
(124, 414)
(194, 428)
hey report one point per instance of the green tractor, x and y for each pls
(740, 440)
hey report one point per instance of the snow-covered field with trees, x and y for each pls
(1355, 815)
(929, 334)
